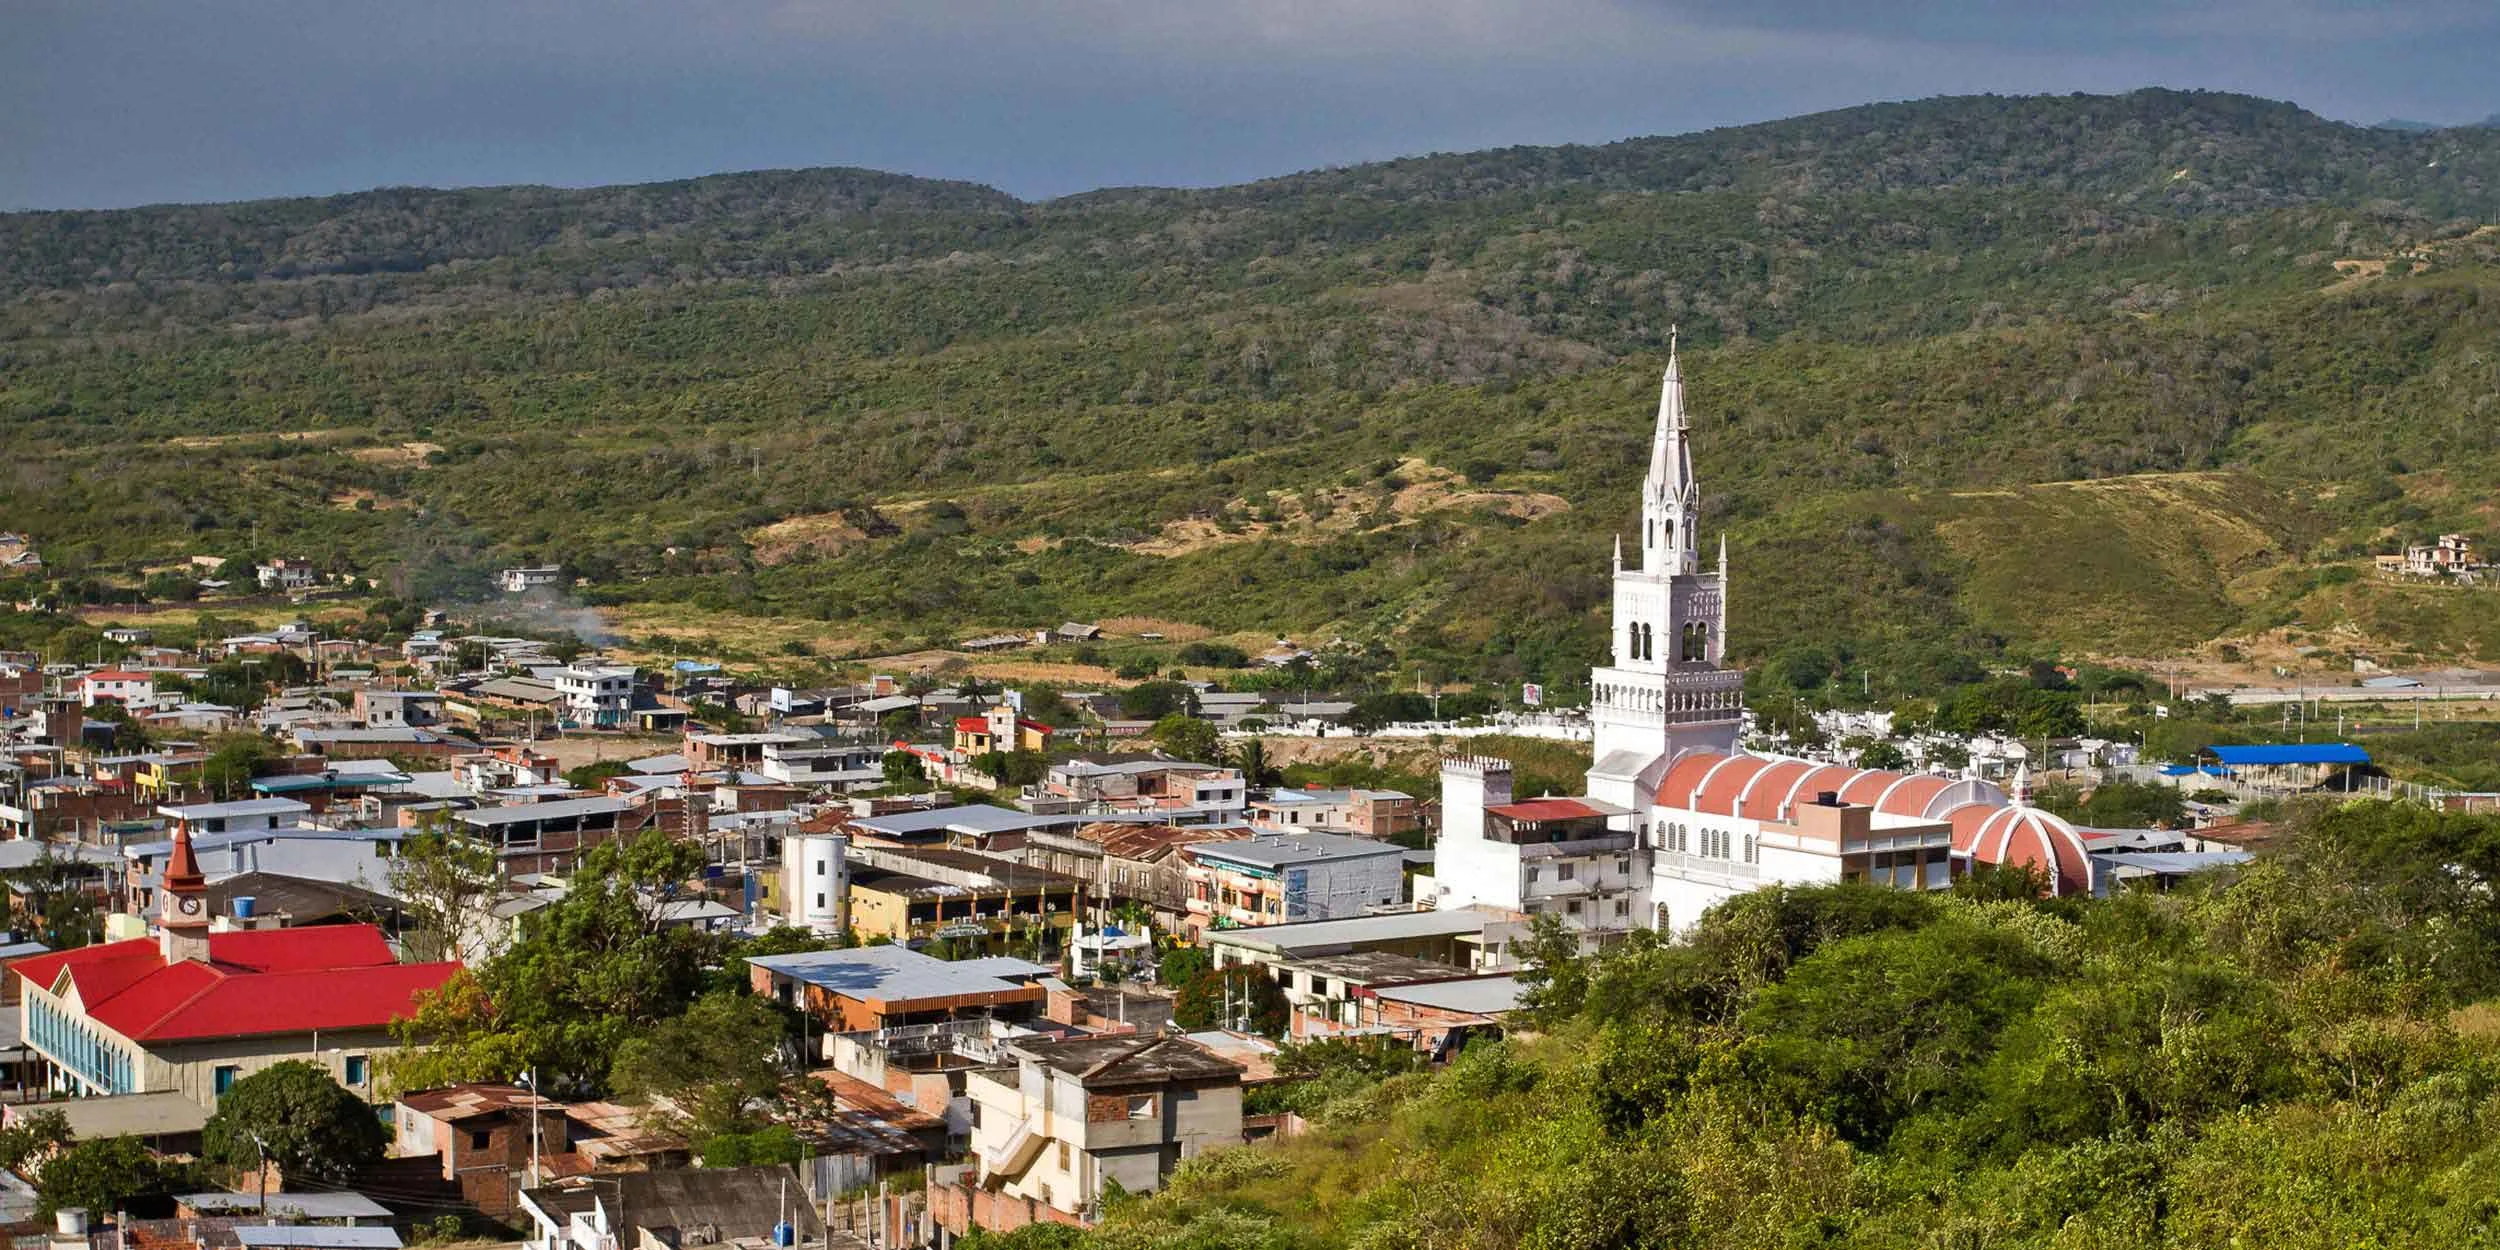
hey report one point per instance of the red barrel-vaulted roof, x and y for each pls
(1763, 792)
(1716, 795)
(1910, 796)
(1684, 776)
(1868, 786)
(1832, 778)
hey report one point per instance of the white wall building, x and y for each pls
(600, 695)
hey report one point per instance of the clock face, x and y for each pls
(189, 905)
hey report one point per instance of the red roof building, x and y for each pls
(193, 1010)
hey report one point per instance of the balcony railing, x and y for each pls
(1704, 868)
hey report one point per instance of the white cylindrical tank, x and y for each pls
(815, 881)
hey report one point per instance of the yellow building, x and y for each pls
(1001, 730)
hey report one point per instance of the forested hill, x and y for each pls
(1402, 402)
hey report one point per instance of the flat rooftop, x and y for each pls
(1277, 851)
(1322, 937)
(900, 974)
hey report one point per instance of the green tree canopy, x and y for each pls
(294, 1115)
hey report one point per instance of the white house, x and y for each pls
(522, 580)
(600, 695)
(127, 687)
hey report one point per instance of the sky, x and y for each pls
(108, 103)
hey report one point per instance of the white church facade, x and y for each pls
(1678, 817)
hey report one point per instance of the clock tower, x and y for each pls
(182, 905)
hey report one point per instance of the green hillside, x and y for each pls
(2302, 1060)
(1402, 402)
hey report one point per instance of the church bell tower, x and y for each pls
(1666, 691)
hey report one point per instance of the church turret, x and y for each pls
(182, 904)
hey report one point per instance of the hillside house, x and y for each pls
(526, 578)
(1279, 879)
(1000, 729)
(1058, 1122)
(285, 573)
(130, 688)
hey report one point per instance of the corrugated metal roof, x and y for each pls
(2291, 753)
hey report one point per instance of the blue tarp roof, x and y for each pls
(2295, 753)
(2184, 770)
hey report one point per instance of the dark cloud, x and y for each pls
(126, 101)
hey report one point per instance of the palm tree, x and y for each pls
(1251, 758)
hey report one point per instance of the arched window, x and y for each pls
(1649, 643)
(1632, 646)
(1696, 642)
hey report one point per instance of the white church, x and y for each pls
(1678, 816)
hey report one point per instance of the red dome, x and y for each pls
(2026, 837)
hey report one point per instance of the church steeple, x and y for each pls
(1670, 500)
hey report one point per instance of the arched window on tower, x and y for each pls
(1696, 642)
(1632, 643)
(1649, 643)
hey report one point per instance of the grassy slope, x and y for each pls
(1891, 312)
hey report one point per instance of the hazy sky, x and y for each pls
(116, 102)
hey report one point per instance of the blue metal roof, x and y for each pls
(2294, 753)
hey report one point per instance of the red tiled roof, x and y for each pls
(114, 674)
(1545, 809)
(972, 724)
(255, 982)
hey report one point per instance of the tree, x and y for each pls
(450, 886)
(1883, 753)
(1155, 700)
(903, 771)
(30, 1137)
(717, 1065)
(1182, 964)
(292, 1114)
(586, 973)
(1251, 758)
(1554, 972)
(55, 895)
(1256, 1003)
(1187, 737)
(109, 1174)
(234, 760)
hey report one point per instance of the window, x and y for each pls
(1141, 1107)
(226, 1076)
(1563, 872)
(1532, 875)
(1753, 854)
(1623, 908)
(1063, 1156)
(479, 1139)
(1575, 907)
(355, 1067)
(820, 898)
